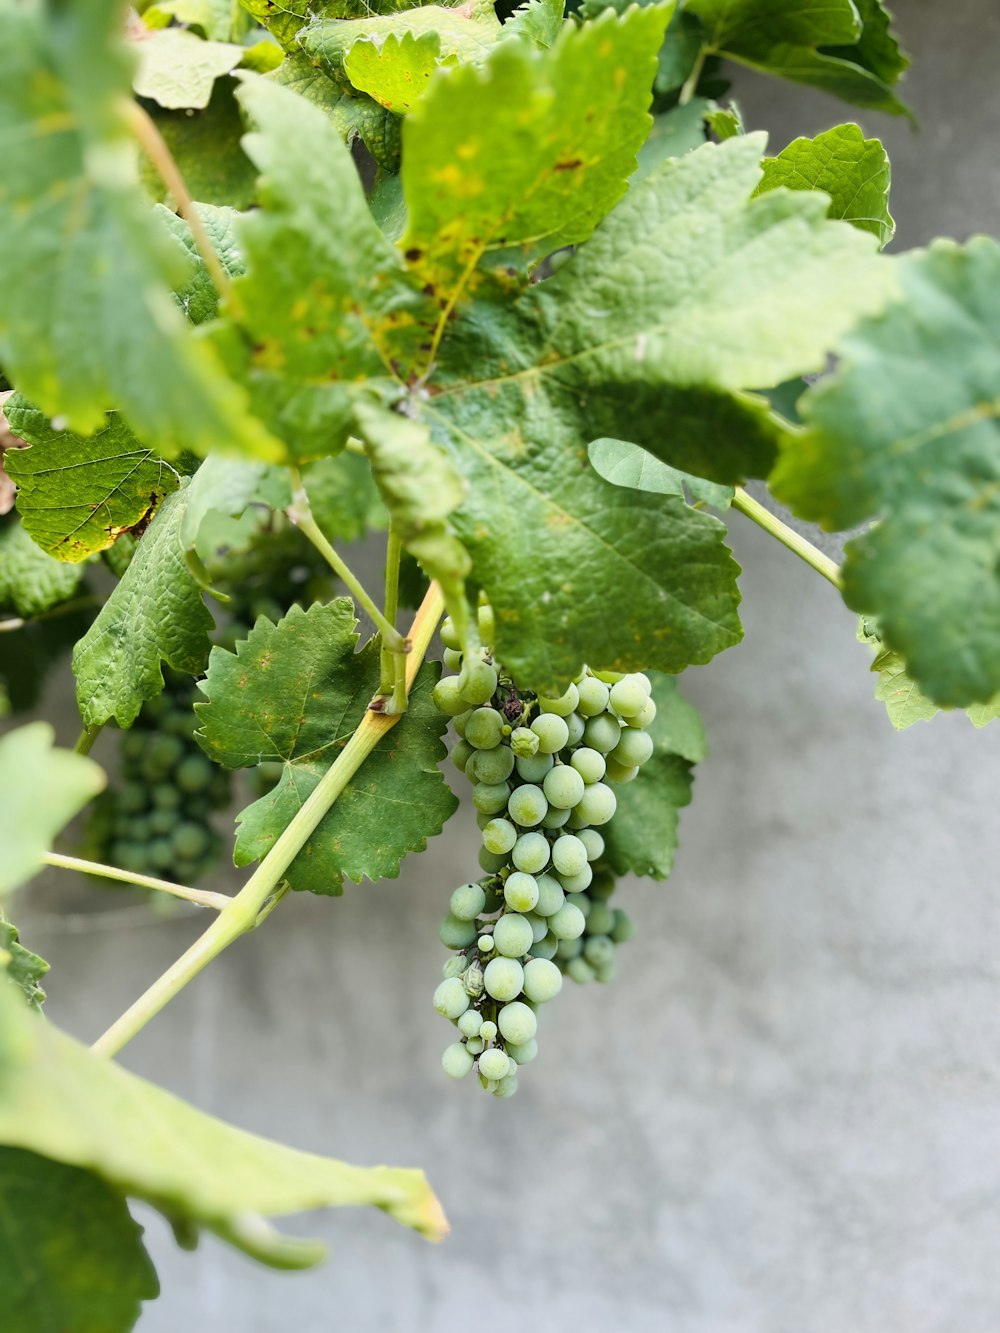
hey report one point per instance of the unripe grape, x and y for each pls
(527, 805)
(517, 1023)
(449, 634)
(459, 722)
(531, 852)
(569, 855)
(491, 797)
(492, 862)
(160, 853)
(503, 978)
(581, 901)
(555, 818)
(475, 1045)
(454, 967)
(488, 1030)
(446, 697)
(469, 1023)
(592, 696)
(618, 773)
(467, 902)
(575, 727)
(590, 764)
(580, 970)
(605, 973)
(634, 749)
(550, 895)
(491, 766)
(193, 774)
(165, 797)
(542, 982)
(545, 948)
(484, 728)
(499, 835)
(599, 950)
(477, 682)
(523, 1052)
(494, 1063)
(644, 717)
(461, 753)
(456, 1061)
(533, 767)
(520, 891)
(487, 624)
(602, 733)
(567, 949)
(597, 804)
(506, 1087)
(562, 706)
(539, 927)
(485, 944)
(551, 731)
(523, 742)
(623, 928)
(567, 923)
(601, 919)
(450, 999)
(593, 842)
(563, 786)
(576, 884)
(603, 885)
(453, 659)
(627, 696)
(512, 935)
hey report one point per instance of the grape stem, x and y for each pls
(203, 897)
(85, 740)
(393, 664)
(804, 549)
(691, 82)
(258, 897)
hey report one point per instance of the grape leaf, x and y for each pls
(852, 170)
(286, 20)
(76, 495)
(877, 49)
(66, 1103)
(642, 837)
(24, 968)
(178, 70)
(536, 21)
(215, 18)
(907, 432)
(626, 464)
(674, 133)
(295, 692)
(395, 71)
(529, 151)
(44, 788)
(903, 700)
(726, 122)
(87, 320)
(308, 361)
(31, 581)
(71, 1256)
(198, 298)
(206, 147)
(344, 499)
(816, 42)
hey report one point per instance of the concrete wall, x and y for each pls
(784, 1116)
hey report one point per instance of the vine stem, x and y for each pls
(152, 143)
(85, 740)
(245, 909)
(393, 665)
(804, 549)
(691, 82)
(203, 897)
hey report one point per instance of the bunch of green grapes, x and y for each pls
(156, 822)
(543, 772)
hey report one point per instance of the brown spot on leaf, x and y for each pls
(571, 165)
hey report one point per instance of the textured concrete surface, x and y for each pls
(784, 1116)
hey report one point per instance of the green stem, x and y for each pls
(301, 515)
(691, 82)
(203, 897)
(390, 660)
(85, 740)
(804, 549)
(243, 911)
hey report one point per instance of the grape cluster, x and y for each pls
(543, 772)
(156, 822)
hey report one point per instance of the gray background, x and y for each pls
(785, 1113)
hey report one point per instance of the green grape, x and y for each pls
(579, 882)
(461, 754)
(494, 1063)
(487, 624)
(539, 926)
(603, 885)
(602, 733)
(520, 891)
(542, 982)
(644, 717)
(505, 1087)
(580, 970)
(605, 973)
(617, 773)
(576, 822)
(601, 919)
(447, 698)
(532, 768)
(503, 978)
(567, 923)
(160, 853)
(490, 797)
(599, 950)
(593, 842)
(592, 695)
(499, 835)
(563, 786)
(129, 856)
(623, 928)
(551, 731)
(550, 895)
(484, 728)
(569, 855)
(563, 706)
(567, 949)
(488, 1030)
(523, 742)
(485, 944)
(581, 901)
(590, 764)
(450, 999)
(492, 862)
(478, 682)
(132, 798)
(494, 765)
(467, 901)
(517, 1023)
(162, 821)
(597, 804)
(627, 696)
(527, 805)
(545, 948)
(482, 820)
(531, 852)
(459, 721)
(190, 839)
(139, 830)
(162, 753)
(456, 1061)
(575, 727)
(449, 634)
(454, 967)
(193, 774)
(634, 749)
(455, 934)
(513, 936)
(133, 744)
(453, 659)
(522, 1052)
(555, 818)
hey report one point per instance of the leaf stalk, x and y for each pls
(795, 542)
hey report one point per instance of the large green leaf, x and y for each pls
(31, 581)
(64, 1102)
(178, 70)
(295, 692)
(206, 147)
(23, 967)
(529, 151)
(852, 170)
(87, 320)
(78, 495)
(907, 433)
(536, 21)
(904, 702)
(322, 310)
(198, 298)
(43, 789)
(626, 464)
(285, 19)
(71, 1256)
(642, 837)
